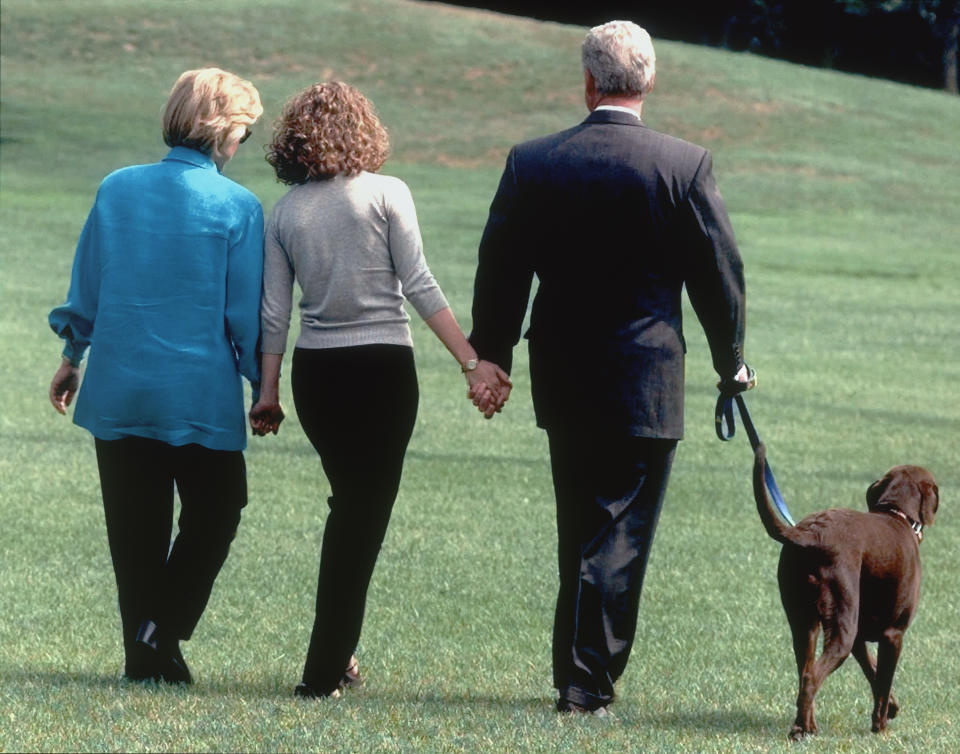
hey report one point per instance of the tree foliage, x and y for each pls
(914, 41)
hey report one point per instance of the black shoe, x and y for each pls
(306, 691)
(142, 664)
(174, 668)
(165, 659)
(572, 708)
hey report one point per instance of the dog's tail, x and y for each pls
(776, 527)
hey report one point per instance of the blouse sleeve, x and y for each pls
(74, 320)
(406, 249)
(244, 283)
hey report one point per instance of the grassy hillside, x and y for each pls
(843, 194)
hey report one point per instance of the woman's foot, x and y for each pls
(351, 677)
(306, 691)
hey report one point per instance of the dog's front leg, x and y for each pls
(888, 653)
(869, 665)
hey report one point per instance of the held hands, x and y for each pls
(266, 416)
(489, 389)
(64, 386)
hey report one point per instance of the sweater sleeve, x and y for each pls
(406, 249)
(277, 301)
(244, 282)
(74, 320)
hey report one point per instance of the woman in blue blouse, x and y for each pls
(165, 291)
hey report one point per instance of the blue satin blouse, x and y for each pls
(165, 291)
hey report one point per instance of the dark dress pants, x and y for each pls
(358, 406)
(609, 493)
(169, 585)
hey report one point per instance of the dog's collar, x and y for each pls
(916, 526)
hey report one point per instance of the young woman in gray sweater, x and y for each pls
(350, 239)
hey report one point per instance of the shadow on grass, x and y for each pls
(623, 714)
(481, 459)
(266, 689)
(56, 679)
(626, 714)
(443, 703)
(708, 721)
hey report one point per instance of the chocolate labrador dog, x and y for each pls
(856, 575)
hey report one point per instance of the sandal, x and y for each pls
(351, 676)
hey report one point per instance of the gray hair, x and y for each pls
(620, 57)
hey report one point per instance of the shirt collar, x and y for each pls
(618, 109)
(191, 157)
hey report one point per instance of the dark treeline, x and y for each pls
(912, 41)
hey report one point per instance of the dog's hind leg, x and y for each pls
(869, 665)
(798, 595)
(805, 637)
(838, 613)
(888, 653)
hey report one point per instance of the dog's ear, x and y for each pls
(876, 490)
(929, 502)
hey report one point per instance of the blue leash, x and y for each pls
(727, 428)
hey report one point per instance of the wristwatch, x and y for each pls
(469, 365)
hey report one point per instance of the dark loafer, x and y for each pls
(166, 661)
(174, 668)
(142, 664)
(572, 708)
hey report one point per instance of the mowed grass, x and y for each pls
(843, 191)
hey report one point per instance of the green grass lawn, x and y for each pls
(843, 192)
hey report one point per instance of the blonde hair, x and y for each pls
(207, 107)
(620, 57)
(326, 130)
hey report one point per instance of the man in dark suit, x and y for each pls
(614, 219)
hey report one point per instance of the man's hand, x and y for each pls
(64, 386)
(265, 417)
(744, 379)
(489, 389)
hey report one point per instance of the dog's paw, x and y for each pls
(880, 722)
(893, 708)
(798, 733)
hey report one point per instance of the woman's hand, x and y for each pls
(266, 416)
(489, 389)
(64, 386)
(267, 413)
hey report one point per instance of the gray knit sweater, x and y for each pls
(354, 247)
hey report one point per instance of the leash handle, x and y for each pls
(726, 428)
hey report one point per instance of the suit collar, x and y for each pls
(613, 116)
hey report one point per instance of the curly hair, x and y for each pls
(326, 130)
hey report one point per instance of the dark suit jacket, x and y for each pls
(613, 219)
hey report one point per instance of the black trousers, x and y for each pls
(358, 407)
(609, 493)
(168, 584)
